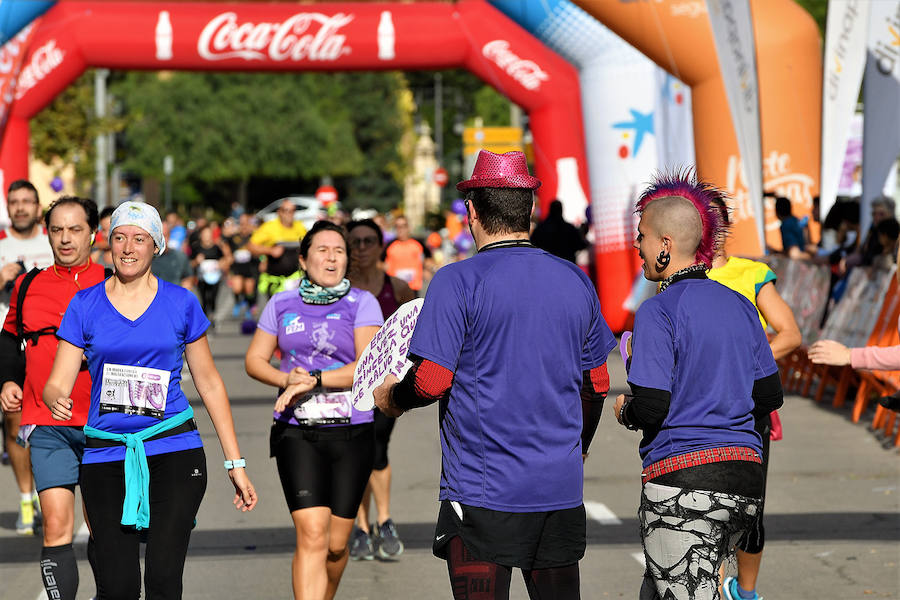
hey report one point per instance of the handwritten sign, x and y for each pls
(386, 353)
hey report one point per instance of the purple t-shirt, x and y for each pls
(518, 327)
(320, 336)
(702, 342)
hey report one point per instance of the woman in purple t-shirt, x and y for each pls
(322, 445)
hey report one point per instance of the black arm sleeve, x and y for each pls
(591, 409)
(648, 407)
(12, 362)
(767, 395)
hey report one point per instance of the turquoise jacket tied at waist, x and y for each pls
(136, 507)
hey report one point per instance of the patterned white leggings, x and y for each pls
(686, 535)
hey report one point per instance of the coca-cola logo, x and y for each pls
(11, 50)
(44, 60)
(526, 72)
(304, 36)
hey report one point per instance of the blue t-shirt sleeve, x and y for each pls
(71, 328)
(268, 320)
(653, 348)
(599, 342)
(369, 312)
(195, 321)
(440, 328)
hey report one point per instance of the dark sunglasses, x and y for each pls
(364, 242)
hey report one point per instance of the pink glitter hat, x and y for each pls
(507, 170)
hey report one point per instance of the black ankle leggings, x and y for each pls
(177, 484)
(472, 579)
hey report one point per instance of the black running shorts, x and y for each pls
(323, 466)
(538, 540)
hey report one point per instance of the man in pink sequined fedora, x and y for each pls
(512, 344)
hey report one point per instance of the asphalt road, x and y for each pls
(832, 517)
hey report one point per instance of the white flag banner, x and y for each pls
(881, 108)
(673, 123)
(732, 28)
(845, 59)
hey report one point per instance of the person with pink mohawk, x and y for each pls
(701, 373)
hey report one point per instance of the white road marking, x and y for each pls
(599, 512)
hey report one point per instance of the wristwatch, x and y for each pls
(317, 373)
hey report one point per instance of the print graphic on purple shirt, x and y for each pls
(320, 336)
(517, 326)
(702, 342)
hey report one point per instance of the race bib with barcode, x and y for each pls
(324, 409)
(134, 390)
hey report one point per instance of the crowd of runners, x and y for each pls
(102, 310)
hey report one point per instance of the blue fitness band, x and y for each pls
(235, 464)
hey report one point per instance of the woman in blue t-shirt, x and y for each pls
(134, 330)
(323, 446)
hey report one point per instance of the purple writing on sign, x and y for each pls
(385, 354)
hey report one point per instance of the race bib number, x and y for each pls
(242, 256)
(324, 409)
(134, 390)
(210, 271)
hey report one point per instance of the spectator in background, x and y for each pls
(245, 268)
(557, 236)
(887, 231)
(171, 264)
(407, 258)
(882, 358)
(23, 245)
(211, 259)
(177, 231)
(793, 239)
(100, 253)
(883, 208)
(366, 241)
(277, 244)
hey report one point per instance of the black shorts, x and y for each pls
(248, 269)
(383, 427)
(323, 466)
(538, 540)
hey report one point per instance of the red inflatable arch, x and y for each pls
(75, 35)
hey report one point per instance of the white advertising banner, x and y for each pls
(845, 59)
(732, 27)
(881, 109)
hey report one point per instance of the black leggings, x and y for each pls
(177, 485)
(472, 579)
(208, 295)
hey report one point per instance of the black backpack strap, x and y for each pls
(20, 298)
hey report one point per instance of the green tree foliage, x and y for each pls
(67, 128)
(228, 128)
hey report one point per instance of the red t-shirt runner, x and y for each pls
(45, 302)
